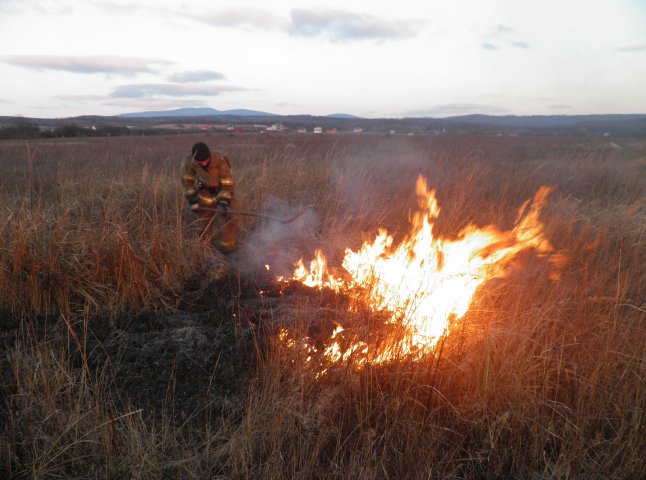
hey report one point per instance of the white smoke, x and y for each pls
(276, 244)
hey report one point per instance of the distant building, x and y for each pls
(301, 130)
(331, 130)
(357, 130)
(318, 129)
(276, 127)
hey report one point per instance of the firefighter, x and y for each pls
(208, 182)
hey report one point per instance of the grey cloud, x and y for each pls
(17, 6)
(449, 109)
(489, 46)
(81, 98)
(504, 29)
(154, 103)
(560, 107)
(141, 90)
(55, 9)
(345, 25)
(502, 34)
(500, 31)
(230, 17)
(632, 48)
(196, 76)
(8, 6)
(129, 7)
(87, 64)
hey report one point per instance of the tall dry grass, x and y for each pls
(542, 379)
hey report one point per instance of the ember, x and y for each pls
(425, 284)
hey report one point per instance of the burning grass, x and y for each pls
(426, 284)
(540, 378)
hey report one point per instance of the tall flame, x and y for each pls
(425, 282)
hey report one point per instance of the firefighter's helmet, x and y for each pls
(201, 152)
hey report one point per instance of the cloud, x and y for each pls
(502, 34)
(520, 44)
(196, 76)
(504, 29)
(492, 46)
(235, 17)
(500, 31)
(8, 6)
(140, 90)
(81, 98)
(109, 64)
(345, 25)
(129, 7)
(489, 46)
(47, 8)
(632, 48)
(450, 109)
(153, 103)
(561, 107)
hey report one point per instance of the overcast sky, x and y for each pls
(370, 58)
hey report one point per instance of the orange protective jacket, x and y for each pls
(208, 186)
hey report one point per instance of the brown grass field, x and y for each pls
(125, 353)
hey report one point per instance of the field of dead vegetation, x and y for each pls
(130, 350)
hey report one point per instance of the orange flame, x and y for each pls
(425, 282)
(317, 276)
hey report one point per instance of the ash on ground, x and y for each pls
(188, 363)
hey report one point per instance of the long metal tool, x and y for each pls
(259, 215)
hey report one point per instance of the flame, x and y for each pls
(317, 275)
(426, 282)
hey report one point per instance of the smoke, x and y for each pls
(277, 244)
(376, 188)
(371, 187)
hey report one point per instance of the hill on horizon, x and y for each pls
(599, 124)
(197, 112)
(210, 112)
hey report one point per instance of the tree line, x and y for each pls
(24, 130)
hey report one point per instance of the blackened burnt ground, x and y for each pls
(184, 365)
(178, 365)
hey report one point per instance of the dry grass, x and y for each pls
(543, 379)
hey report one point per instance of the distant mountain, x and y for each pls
(243, 112)
(541, 121)
(341, 115)
(198, 112)
(623, 125)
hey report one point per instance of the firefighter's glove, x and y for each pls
(223, 208)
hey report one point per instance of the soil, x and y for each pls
(185, 364)
(182, 363)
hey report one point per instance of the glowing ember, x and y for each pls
(425, 283)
